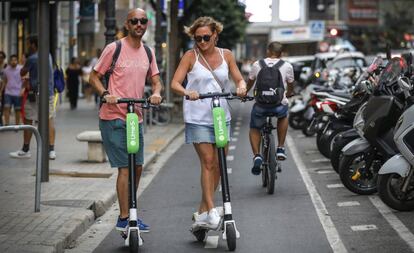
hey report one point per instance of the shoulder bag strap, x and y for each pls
(114, 59)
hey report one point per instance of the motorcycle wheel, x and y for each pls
(389, 186)
(323, 144)
(336, 153)
(309, 130)
(296, 121)
(362, 183)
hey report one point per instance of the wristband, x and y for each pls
(104, 94)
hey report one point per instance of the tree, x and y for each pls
(228, 12)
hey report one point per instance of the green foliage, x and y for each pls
(228, 12)
(398, 20)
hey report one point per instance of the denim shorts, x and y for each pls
(14, 101)
(195, 133)
(113, 134)
(259, 114)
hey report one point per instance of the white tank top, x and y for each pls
(201, 80)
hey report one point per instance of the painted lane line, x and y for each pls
(234, 139)
(325, 171)
(211, 242)
(321, 168)
(363, 227)
(239, 118)
(237, 128)
(238, 123)
(309, 152)
(322, 160)
(235, 133)
(395, 223)
(219, 188)
(229, 170)
(230, 157)
(331, 233)
(232, 147)
(300, 136)
(332, 186)
(348, 203)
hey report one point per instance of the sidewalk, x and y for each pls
(77, 191)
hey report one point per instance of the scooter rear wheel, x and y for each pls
(133, 242)
(231, 237)
(389, 186)
(200, 234)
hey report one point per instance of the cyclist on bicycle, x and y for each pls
(267, 74)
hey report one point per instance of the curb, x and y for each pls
(81, 222)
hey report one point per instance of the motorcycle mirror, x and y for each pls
(404, 83)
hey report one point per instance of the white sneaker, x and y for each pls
(213, 219)
(220, 210)
(52, 155)
(200, 218)
(20, 154)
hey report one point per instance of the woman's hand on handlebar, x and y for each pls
(191, 94)
(241, 91)
(155, 99)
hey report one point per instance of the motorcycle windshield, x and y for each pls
(374, 65)
(392, 71)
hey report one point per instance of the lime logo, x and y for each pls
(133, 143)
(133, 130)
(221, 138)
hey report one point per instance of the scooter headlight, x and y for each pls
(359, 121)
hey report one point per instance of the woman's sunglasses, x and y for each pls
(206, 38)
(134, 21)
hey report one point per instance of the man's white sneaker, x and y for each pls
(20, 154)
(52, 155)
(213, 219)
(200, 218)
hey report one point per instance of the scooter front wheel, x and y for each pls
(133, 241)
(231, 237)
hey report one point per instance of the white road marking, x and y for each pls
(322, 160)
(237, 128)
(211, 242)
(239, 118)
(219, 188)
(325, 171)
(309, 152)
(229, 170)
(364, 227)
(235, 133)
(300, 136)
(348, 203)
(321, 168)
(230, 157)
(331, 233)
(395, 223)
(238, 123)
(232, 147)
(234, 139)
(332, 186)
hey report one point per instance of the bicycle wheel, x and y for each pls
(263, 153)
(272, 165)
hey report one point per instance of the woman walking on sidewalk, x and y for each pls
(199, 130)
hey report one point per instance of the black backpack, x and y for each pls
(269, 90)
(115, 58)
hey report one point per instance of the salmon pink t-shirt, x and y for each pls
(128, 78)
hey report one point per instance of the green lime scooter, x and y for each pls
(228, 225)
(132, 236)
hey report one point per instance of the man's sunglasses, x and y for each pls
(134, 21)
(206, 38)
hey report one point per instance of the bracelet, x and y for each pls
(104, 94)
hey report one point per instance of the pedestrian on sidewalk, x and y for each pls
(127, 80)
(73, 74)
(199, 129)
(31, 105)
(13, 90)
(3, 65)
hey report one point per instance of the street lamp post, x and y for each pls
(110, 21)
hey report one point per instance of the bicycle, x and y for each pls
(228, 225)
(270, 164)
(132, 236)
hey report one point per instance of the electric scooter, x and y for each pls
(132, 236)
(227, 223)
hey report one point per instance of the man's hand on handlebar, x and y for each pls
(241, 91)
(155, 99)
(111, 99)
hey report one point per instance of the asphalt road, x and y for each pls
(310, 211)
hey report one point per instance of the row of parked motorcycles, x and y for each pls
(365, 128)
